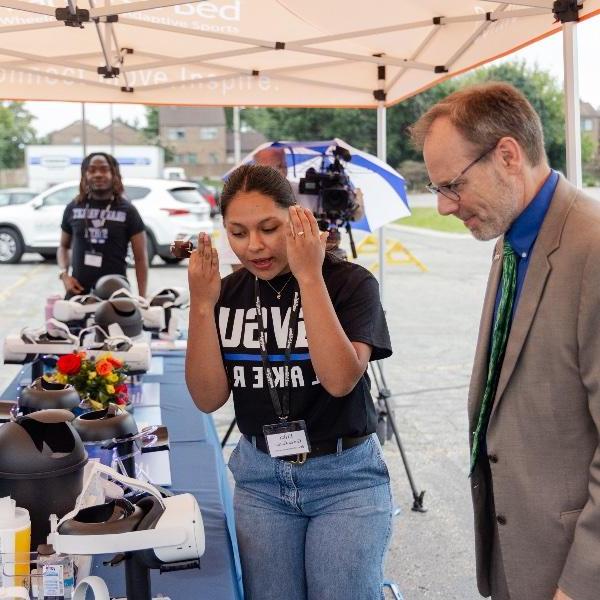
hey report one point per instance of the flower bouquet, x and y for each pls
(99, 382)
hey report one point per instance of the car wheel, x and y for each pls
(11, 246)
(171, 260)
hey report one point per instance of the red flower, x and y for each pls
(69, 364)
(115, 362)
(121, 389)
(121, 401)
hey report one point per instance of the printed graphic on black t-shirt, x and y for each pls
(355, 297)
(96, 229)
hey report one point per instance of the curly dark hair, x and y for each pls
(117, 183)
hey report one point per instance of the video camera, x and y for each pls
(337, 199)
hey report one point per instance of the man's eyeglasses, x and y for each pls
(449, 189)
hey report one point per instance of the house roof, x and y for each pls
(249, 140)
(587, 110)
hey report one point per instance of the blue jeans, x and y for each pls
(317, 531)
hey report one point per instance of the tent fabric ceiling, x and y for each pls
(257, 52)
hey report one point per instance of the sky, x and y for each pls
(547, 54)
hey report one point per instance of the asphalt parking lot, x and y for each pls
(433, 319)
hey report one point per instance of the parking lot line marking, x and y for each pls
(19, 282)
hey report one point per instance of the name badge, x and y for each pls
(285, 439)
(92, 259)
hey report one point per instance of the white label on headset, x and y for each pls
(92, 259)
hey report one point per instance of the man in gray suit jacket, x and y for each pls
(534, 399)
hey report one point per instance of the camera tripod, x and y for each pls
(386, 428)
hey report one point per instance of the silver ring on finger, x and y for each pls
(300, 233)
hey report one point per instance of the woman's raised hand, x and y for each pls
(203, 274)
(305, 245)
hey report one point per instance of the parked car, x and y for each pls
(10, 196)
(210, 195)
(168, 208)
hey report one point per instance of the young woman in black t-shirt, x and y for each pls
(291, 335)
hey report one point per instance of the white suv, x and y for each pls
(168, 208)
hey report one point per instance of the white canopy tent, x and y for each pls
(256, 52)
(339, 53)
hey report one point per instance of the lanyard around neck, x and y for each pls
(281, 406)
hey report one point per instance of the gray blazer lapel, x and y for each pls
(480, 366)
(537, 273)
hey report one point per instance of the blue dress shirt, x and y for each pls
(524, 231)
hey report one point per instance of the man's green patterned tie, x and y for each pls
(499, 338)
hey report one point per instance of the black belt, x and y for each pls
(317, 448)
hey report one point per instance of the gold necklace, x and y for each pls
(278, 293)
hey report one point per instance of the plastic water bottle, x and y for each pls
(58, 578)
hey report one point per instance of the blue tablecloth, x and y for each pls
(197, 466)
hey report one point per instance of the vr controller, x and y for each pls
(181, 248)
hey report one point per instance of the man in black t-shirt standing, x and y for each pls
(97, 227)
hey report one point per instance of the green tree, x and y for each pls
(358, 127)
(589, 147)
(152, 132)
(590, 160)
(16, 132)
(545, 95)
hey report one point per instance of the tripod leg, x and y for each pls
(417, 497)
(226, 437)
(394, 589)
(383, 395)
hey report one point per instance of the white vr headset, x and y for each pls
(76, 308)
(158, 312)
(172, 527)
(56, 338)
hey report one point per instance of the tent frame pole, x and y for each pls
(572, 113)
(382, 155)
(386, 423)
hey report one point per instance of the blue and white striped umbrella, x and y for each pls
(383, 188)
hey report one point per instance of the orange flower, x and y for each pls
(115, 362)
(103, 367)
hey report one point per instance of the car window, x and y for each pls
(22, 197)
(4, 199)
(61, 197)
(133, 192)
(189, 195)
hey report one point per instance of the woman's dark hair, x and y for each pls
(257, 178)
(117, 183)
